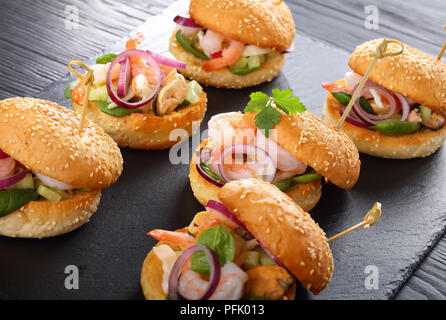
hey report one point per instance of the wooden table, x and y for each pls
(35, 46)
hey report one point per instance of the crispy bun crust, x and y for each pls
(414, 74)
(319, 145)
(287, 231)
(419, 144)
(44, 219)
(44, 137)
(266, 24)
(306, 195)
(223, 78)
(146, 130)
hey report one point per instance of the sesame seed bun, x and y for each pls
(223, 78)
(44, 137)
(146, 130)
(286, 230)
(152, 272)
(306, 195)
(266, 23)
(419, 144)
(414, 74)
(319, 145)
(43, 219)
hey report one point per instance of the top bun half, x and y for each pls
(287, 231)
(44, 137)
(414, 74)
(264, 23)
(319, 145)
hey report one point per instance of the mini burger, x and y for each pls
(277, 141)
(51, 176)
(139, 98)
(233, 44)
(401, 110)
(250, 245)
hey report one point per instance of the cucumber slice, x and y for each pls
(25, 183)
(251, 260)
(425, 114)
(255, 62)
(240, 64)
(265, 259)
(48, 193)
(99, 94)
(194, 91)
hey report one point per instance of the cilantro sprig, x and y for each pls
(268, 115)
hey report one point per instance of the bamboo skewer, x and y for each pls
(87, 80)
(370, 219)
(443, 48)
(381, 52)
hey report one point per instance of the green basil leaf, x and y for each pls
(106, 58)
(13, 199)
(309, 177)
(284, 184)
(343, 97)
(220, 242)
(116, 112)
(396, 127)
(366, 106)
(70, 89)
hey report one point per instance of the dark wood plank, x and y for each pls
(29, 65)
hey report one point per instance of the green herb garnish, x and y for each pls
(13, 199)
(396, 127)
(116, 112)
(344, 99)
(70, 88)
(211, 173)
(268, 116)
(106, 58)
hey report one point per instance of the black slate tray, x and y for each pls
(153, 193)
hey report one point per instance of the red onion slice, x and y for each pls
(124, 78)
(352, 120)
(207, 177)
(252, 153)
(290, 49)
(220, 208)
(3, 155)
(405, 107)
(215, 271)
(151, 62)
(166, 61)
(186, 22)
(8, 182)
(53, 183)
(371, 118)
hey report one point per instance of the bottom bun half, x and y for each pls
(419, 144)
(306, 195)
(146, 130)
(44, 219)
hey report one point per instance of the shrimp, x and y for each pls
(230, 56)
(282, 158)
(139, 66)
(212, 42)
(270, 282)
(78, 93)
(181, 239)
(7, 167)
(232, 280)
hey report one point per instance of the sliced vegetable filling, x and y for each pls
(137, 81)
(382, 110)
